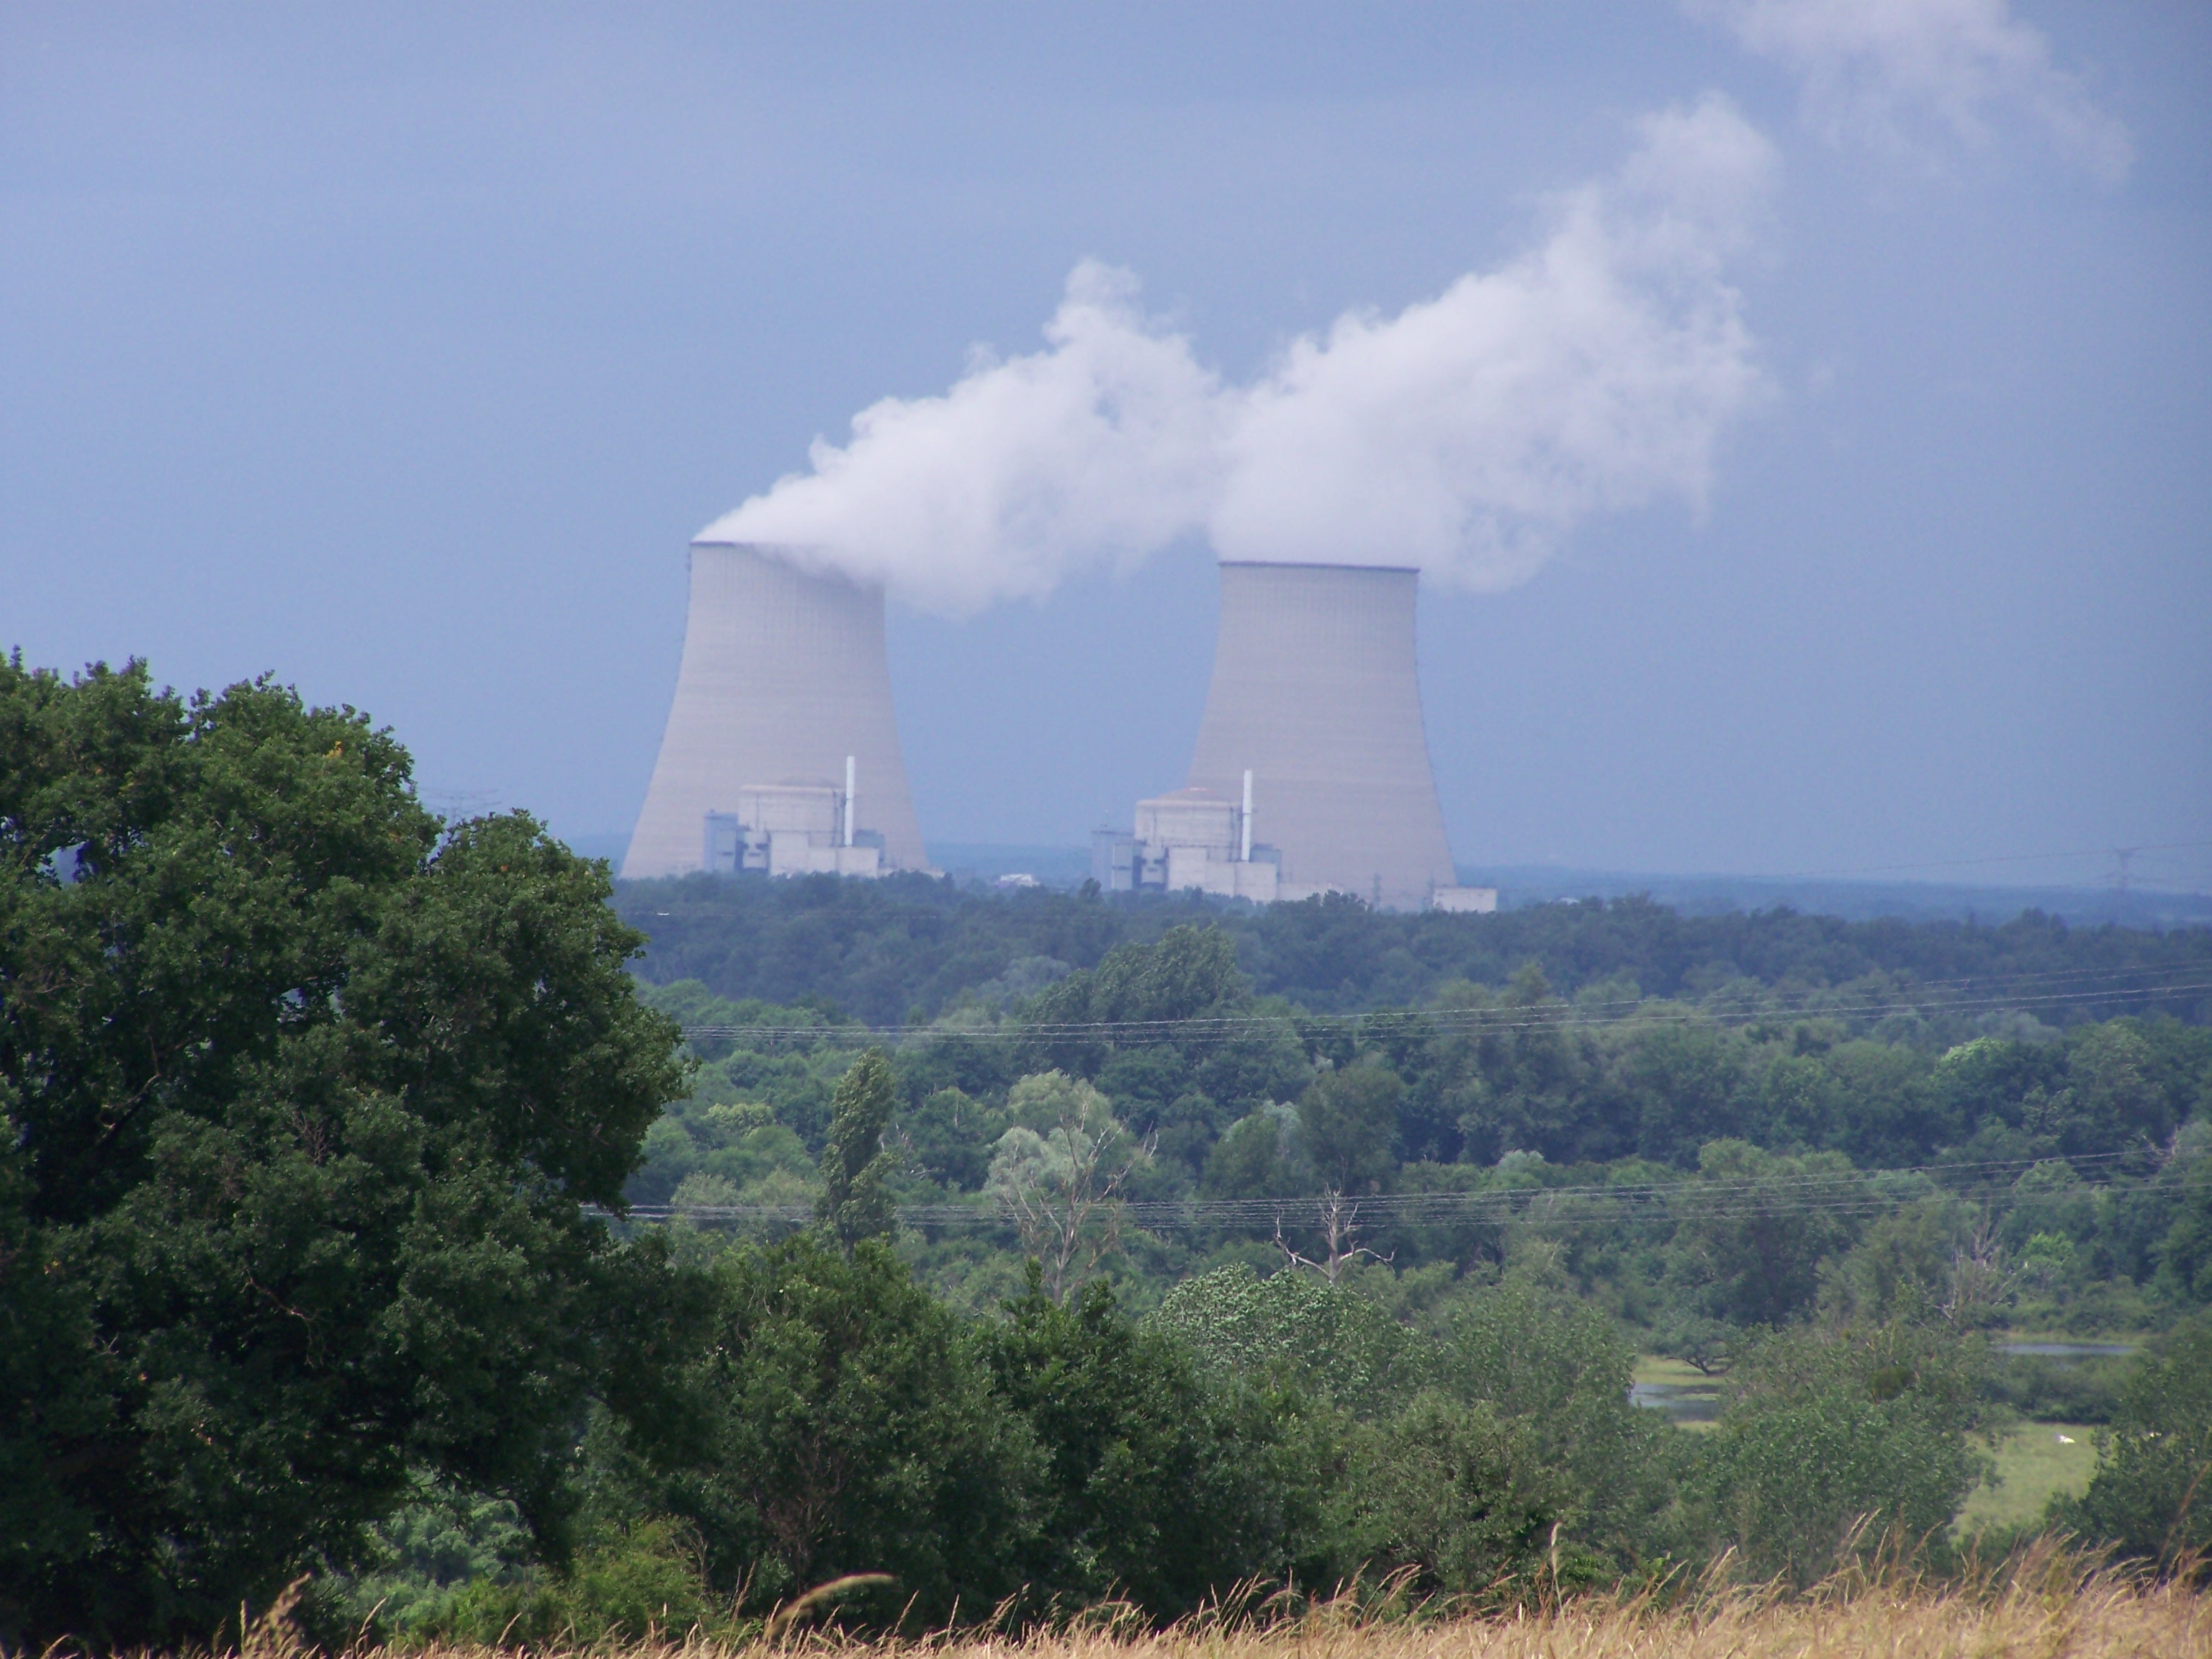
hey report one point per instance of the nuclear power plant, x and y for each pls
(782, 752)
(1311, 773)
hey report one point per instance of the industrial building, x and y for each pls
(794, 830)
(1190, 839)
(781, 751)
(1312, 732)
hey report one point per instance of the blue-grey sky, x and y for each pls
(400, 351)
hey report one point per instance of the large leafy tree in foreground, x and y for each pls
(304, 1097)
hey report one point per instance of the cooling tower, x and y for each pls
(1315, 693)
(784, 676)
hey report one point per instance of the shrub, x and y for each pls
(1154, 1486)
(2152, 1493)
(1830, 1436)
(1455, 1493)
(846, 1424)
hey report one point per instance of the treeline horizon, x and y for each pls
(908, 948)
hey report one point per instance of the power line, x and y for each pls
(1857, 1193)
(2002, 858)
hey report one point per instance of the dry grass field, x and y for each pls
(2043, 1604)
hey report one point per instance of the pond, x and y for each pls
(1684, 1402)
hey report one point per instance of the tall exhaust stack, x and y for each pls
(785, 680)
(1315, 692)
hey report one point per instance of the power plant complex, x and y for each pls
(1311, 773)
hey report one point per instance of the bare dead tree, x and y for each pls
(1979, 1280)
(1339, 1224)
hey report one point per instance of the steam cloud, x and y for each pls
(1885, 72)
(1466, 434)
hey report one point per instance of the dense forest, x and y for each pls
(909, 949)
(383, 1217)
(1843, 1116)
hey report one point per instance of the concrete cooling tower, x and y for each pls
(782, 752)
(1314, 696)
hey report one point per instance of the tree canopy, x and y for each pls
(307, 1096)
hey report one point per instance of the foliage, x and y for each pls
(1293, 1330)
(1460, 1497)
(306, 1097)
(317, 1109)
(2184, 1251)
(1156, 1486)
(2152, 1495)
(640, 1584)
(846, 1424)
(855, 1203)
(951, 1136)
(1750, 1253)
(1348, 1120)
(1558, 1367)
(2056, 1390)
(886, 949)
(1835, 1441)
(431, 1550)
(1060, 1171)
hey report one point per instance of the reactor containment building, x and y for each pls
(782, 752)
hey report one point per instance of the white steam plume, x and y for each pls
(1466, 434)
(1885, 72)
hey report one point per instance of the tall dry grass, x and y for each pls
(2043, 1603)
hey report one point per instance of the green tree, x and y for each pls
(1348, 1123)
(846, 1426)
(1155, 1486)
(1458, 1494)
(1293, 1329)
(1191, 971)
(1528, 1077)
(1753, 1232)
(2185, 1253)
(1347, 1133)
(307, 1096)
(626, 1588)
(1059, 1171)
(855, 1203)
(1558, 1367)
(1903, 1263)
(951, 1135)
(1190, 974)
(1684, 1082)
(1260, 1157)
(1829, 1436)
(2152, 1493)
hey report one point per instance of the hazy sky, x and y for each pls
(400, 351)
